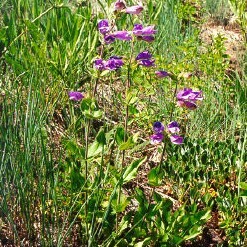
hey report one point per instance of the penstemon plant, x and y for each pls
(95, 223)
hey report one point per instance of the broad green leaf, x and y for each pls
(97, 146)
(243, 185)
(119, 135)
(155, 176)
(127, 145)
(143, 243)
(131, 171)
(94, 149)
(120, 205)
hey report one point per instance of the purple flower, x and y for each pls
(161, 73)
(158, 127)
(144, 55)
(103, 26)
(144, 59)
(176, 139)
(189, 94)
(149, 30)
(146, 62)
(75, 96)
(137, 9)
(114, 63)
(109, 39)
(187, 98)
(187, 104)
(144, 33)
(99, 64)
(148, 39)
(173, 127)
(137, 30)
(122, 35)
(156, 138)
(119, 5)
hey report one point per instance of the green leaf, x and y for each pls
(155, 176)
(101, 137)
(131, 171)
(130, 142)
(119, 136)
(243, 185)
(94, 149)
(97, 146)
(93, 114)
(143, 243)
(119, 206)
(105, 72)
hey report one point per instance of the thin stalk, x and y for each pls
(87, 123)
(98, 75)
(127, 87)
(170, 118)
(241, 161)
(165, 141)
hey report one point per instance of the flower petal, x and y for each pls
(173, 127)
(137, 9)
(177, 139)
(156, 138)
(158, 127)
(75, 96)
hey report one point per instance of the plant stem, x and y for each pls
(165, 141)
(87, 124)
(98, 75)
(128, 84)
(170, 118)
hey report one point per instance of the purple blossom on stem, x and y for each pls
(156, 138)
(187, 104)
(176, 139)
(109, 39)
(147, 62)
(189, 94)
(144, 59)
(99, 64)
(119, 5)
(137, 9)
(139, 30)
(187, 98)
(75, 96)
(158, 127)
(114, 63)
(173, 127)
(144, 33)
(103, 26)
(148, 39)
(161, 73)
(144, 55)
(122, 35)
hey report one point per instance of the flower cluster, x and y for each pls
(172, 128)
(188, 98)
(142, 33)
(112, 63)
